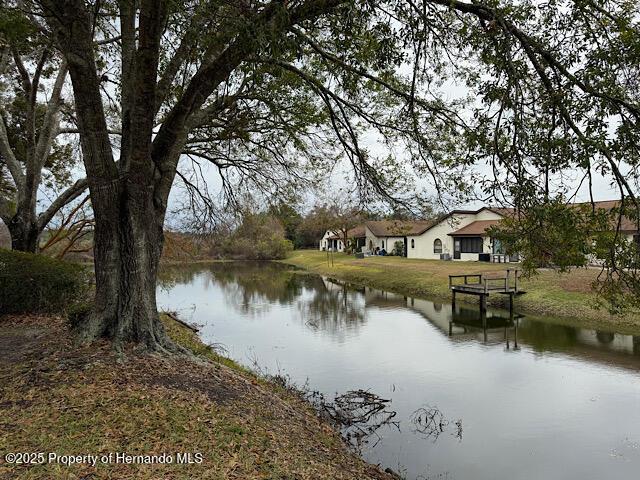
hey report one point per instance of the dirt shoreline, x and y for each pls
(71, 400)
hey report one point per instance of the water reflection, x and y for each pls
(539, 392)
(468, 324)
(333, 307)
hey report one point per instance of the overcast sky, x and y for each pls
(338, 177)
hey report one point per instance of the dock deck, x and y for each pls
(477, 284)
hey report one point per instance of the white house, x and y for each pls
(460, 235)
(383, 234)
(331, 241)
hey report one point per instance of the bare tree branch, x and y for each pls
(70, 194)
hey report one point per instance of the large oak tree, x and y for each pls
(182, 66)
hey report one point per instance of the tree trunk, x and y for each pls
(128, 243)
(24, 231)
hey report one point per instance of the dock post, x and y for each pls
(483, 303)
(483, 315)
(453, 300)
(511, 304)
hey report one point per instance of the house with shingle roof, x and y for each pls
(459, 235)
(332, 239)
(383, 234)
(464, 235)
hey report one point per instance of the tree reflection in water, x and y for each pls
(333, 308)
(340, 309)
(253, 288)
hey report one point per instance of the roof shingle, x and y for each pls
(477, 228)
(398, 228)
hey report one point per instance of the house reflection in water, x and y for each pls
(499, 327)
(473, 322)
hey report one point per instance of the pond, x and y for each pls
(511, 397)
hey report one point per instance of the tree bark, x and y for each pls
(23, 225)
(128, 242)
(24, 232)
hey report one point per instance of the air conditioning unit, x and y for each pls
(445, 256)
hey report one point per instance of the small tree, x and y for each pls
(290, 219)
(398, 248)
(344, 215)
(259, 236)
(314, 225)
(70, 231)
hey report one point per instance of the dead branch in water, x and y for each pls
(358, 413)
(174, 317)
(431, 422)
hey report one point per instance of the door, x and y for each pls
(456, 249)
(404, 253)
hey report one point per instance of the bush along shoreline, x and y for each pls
(32, 283)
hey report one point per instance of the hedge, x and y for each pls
(31, 283)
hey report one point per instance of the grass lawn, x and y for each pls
(564, 297)
(58, 397)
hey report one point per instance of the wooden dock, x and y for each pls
(481, 286)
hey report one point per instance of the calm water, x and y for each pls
(535, 400)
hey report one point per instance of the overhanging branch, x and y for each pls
(69, 195)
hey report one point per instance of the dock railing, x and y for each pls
(466, 278)
(478, 282)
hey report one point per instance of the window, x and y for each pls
(382, 243)
(471, 245)
(498, 247)
(437, 246)
(413, 243)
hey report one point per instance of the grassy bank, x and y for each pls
(57, 397)
(566, 297)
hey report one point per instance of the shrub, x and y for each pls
(398, 248)
(31, 283)
(259, 237)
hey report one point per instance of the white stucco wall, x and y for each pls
(424, 243)
(389, 242)
(487, 215)
(373, 241)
